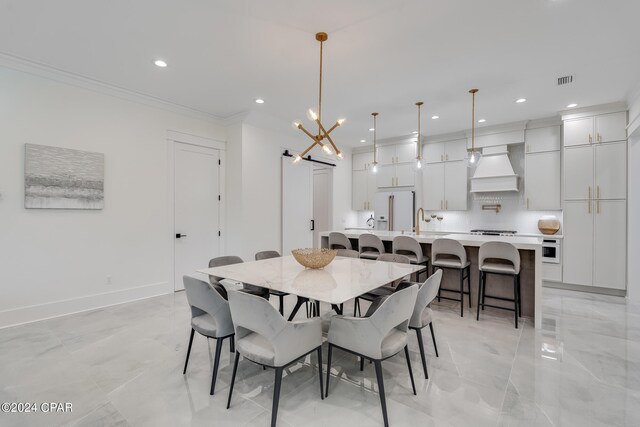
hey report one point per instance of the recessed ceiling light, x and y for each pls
(435, 117)
(362, 140)
(259, 101)
(521, 100)
(482, 120)
(572, 105)
(371, 129)
(160, 63)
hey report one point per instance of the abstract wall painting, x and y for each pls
(62, 178)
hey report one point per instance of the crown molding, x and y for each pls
(17, 63)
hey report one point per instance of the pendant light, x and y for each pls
(374, 169)
(473, 157)
(316, 117)
(419, 156)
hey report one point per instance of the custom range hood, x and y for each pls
(494, 172)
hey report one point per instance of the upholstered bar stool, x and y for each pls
(339, 241)
(450, 254)
(410, 247)
(499, 258)
(370, 246)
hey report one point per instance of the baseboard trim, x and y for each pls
(34, 313)
(589, 289)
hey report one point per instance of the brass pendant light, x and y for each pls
(374, 169)
(317, 118)
(473, 156)
(418, 140)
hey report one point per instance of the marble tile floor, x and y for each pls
(122, 366)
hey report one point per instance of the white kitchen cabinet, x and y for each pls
(455, 186)
(542, 181)
(386, 154)
(578, 132)
(406, 153)
(610, 242)
(433, 153)
(445, 186)
(401, 175)
(610, 127)
(578, 173)
(542, 139)
(433, 186)
(405, 175)
(611, 171)
(386, 176)
(577, 267)
(363, 190)
(362, 161)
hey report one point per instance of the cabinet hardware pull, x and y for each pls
(527, 203)
(441, 157)
(589, 201)
(446, 157)
(440, 204)
(597, 192)
(599, 137)
(598, 206)
(590, 139)
(446, 205)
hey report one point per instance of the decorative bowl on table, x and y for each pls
(314, 258)
(548, 224)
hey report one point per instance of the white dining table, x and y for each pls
(340, 281)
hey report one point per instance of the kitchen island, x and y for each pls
(530, 271)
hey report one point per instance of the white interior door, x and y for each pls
(322, 186)
(297, 205)
(196, 209)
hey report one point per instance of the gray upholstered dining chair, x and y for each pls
(378, 336)
(339, 241)
(268, 255)
(230, 260)
(500, 258)
(387, 289)
(423, 315)
(370, 246)
(410, 247)
(349, 253)
(210, 317)
(264, 337)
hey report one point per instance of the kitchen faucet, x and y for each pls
(418, 212)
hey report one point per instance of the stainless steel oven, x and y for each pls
(551, 251)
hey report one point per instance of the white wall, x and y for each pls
(633, 217)
(56, 261)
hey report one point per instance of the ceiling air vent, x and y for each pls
(565, 80)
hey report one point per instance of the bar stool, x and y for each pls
(450, 254)
(370, 246)
(503, 259)
(410, 247)
(339, 241)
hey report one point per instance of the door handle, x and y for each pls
(180, 236)
(589, 201)
(313, 225)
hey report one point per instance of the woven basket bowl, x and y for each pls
(314, 258)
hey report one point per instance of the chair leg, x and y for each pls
(461, 295)
(469, 284)
(320, 372)
(281, 302)
(515, 298)
(326, 389)
(484, 288)
(356, 303)
(434, 272)
(188, 352)
(232, 344)
(480, 292)
(276, 397)
(361, 364)
(406, 354)
(216, 363)
(422, 355)
(233, 378)
(383, 399)
(433, 337)
(519, 296)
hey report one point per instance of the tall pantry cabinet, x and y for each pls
(595, 200)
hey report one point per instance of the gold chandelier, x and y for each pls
(316, 117)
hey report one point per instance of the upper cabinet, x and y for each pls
(597, 129)
(542, 139)
(400, 175)
(542, 179)
(445, 186)
(448, 151)
(362, 161)
(398, 153)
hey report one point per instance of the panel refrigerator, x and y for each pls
(394, 210)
